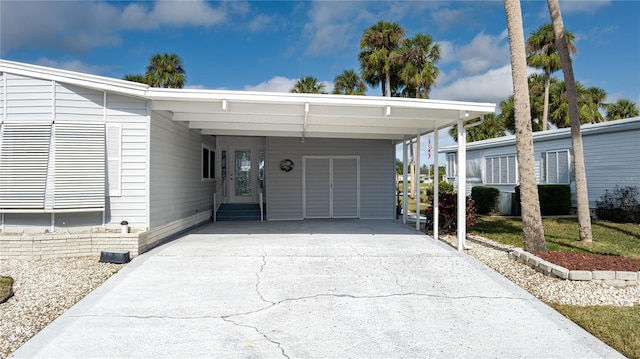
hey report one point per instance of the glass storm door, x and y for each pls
(242, 179)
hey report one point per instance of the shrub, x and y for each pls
(485, 198)
(555, 199)
(621, 206)
(447, 206)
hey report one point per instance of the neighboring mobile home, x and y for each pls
(611, 155)
(80, 154)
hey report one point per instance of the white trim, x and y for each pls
(114, 158)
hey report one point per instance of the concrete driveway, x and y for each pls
(310, 289)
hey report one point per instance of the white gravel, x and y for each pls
(46, 288)
(548, 289)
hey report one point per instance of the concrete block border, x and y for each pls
(614, 278)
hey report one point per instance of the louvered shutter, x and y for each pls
(24, 152)
(79, 165)
(114, 159)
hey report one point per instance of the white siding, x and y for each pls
(317, 190)
(377, 174)
(79, 104)
(131, 205)
(345, 187)
(28, 98)
(177, 188)
(612, 159)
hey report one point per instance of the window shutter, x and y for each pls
(552, 164)
(513, 178)
(543, 167)
(79, 165)
(114, 159)
(24, 154)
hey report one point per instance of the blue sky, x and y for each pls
(268, 45)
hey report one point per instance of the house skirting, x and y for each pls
(63, 244)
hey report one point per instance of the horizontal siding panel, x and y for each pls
(177, 189)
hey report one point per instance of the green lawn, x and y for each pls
(561, 234)
(619, 327)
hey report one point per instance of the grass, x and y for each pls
(6, 284)
(619, 327)
(561, 234)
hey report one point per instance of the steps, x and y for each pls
(238, 212)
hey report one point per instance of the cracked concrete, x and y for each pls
(310, 289)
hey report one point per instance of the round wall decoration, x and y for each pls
(286, 165)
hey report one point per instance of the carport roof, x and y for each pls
(310, 115)
(243, 113)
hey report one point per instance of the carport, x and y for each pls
(305, 116)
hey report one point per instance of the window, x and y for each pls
(500, 170)
(451, 165)
(208, 163)
(554, 167)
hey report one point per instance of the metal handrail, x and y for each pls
(215, 200)
(261, 211)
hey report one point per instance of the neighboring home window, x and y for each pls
(451, 165)
(208, 163)
(500, 170)
(554, 167)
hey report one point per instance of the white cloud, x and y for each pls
(72, 65)
(173, 14)
(582, 6)
(259, 23)
(275, 84)
(282, 84)
(492, 86)
(483, 52)
(332, 25)
(78, 26)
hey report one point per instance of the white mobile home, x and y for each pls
(80, 154)
(611, 153)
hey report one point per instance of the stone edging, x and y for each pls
(614, 278)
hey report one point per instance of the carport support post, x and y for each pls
(436, 179)
(462, 184)
(405, 199)
(417, 184)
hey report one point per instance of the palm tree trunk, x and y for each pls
(531, 218)
(545, 111)
(388, 79)
(582, 195)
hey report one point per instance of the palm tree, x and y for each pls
(492, 127)
(623, 108)
(531, 218)
(582, 195)
(542, 54)
(536, 93)
(349, 83)
(308, 84)
(419, 55)
(379, 53)
(136, 78)
(165, 70)
(590, 100)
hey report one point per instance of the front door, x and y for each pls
(243, 176)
